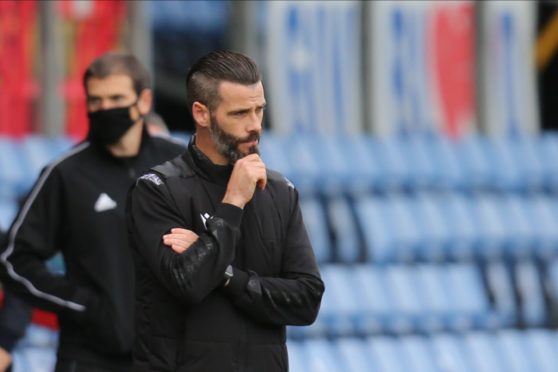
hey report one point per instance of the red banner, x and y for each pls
(18, 20)
(97, 30)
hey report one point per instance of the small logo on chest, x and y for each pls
(204, 218)
(104, 203)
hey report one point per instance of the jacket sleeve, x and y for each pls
(292, 298)
(35, 236)
(194, 273)
(15, 316)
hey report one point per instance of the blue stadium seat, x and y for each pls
(468, 297)
(365, 169)
(416, 351)
(505, 172)
(435, 301)
(552, 276)
(39, 151)
(340, 305)
(8, 211)
(541, 345)
(297, 356)
(542, 211)
(449, 353)
(272, 150)
(396, 173)
(422, 165)
(36, 351)
(520, 232)
(530, 291)
(355, 355)
(335, 167)
(318, 231)
(375, 302)
(500, 286)
(463, 230)
(405, 299)
(482, 352)
(526, 154)
(435, 240)
(444, 155)
(14, 177)
(379, 235)
(346, 235)
(385, 354)
(476, 167)
(512, 350)
(322, 356)
(548, 147)
(407, 236)
(493, 238)
(305, 166)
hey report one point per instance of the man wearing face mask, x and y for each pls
(77, 207)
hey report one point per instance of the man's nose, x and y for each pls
(105, 104)
(255, 124)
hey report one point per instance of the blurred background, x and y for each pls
(420, 135)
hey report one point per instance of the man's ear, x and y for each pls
(201, 115)
(145, 101)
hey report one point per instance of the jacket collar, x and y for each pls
(204, 167)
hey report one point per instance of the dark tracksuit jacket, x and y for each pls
(77, 207)
(185, 319)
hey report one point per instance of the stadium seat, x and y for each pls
(348, 246)
(14, 176)
(530, 291)
(476, 167)
(375, 302)
(548, 147)
(354, 355)
(541, 345)
(416, 351)
(296, 356)
(482, 352)
(464, 232)
(469, 300)
(379, 235)
(8, 211)
(435, 240)
(385, 354)
(449, 353)
(499, 284)
(318, 231)
(321, 356)
(512, 350)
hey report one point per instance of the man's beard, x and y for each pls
(228, 145)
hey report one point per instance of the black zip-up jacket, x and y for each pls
(77, 207)
(185, 319)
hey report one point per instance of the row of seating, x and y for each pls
(507, 350)
(332, 165)
(426, 227)
(432, 226)
(364, 300)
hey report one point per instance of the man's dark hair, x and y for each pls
(204, 77)
(114, 63)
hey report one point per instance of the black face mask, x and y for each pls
(106, 127)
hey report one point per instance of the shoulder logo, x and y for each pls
(104, 203)
(204, 218)
(152, 177)
(289, 183)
